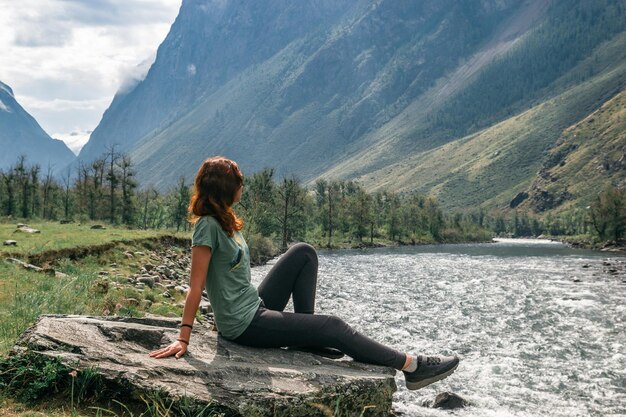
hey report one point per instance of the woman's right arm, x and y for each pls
(200, 259)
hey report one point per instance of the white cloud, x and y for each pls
(68, 58)
(132, 77)
(61, 105)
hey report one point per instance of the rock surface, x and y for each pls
(248, 381)
(449, 401)
(25, 229)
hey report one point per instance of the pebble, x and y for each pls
(205, 307)
(181, 289)
(147, 280)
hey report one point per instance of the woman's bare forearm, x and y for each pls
(189, 312)
(200, 259)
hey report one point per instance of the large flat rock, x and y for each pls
(248, 381)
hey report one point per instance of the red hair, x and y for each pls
(215, 187)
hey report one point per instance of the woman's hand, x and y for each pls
(176, 348)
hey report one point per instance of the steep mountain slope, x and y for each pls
(211, 43)
(349, 67)
(461, 99)
(20, 134)
(492, 166)
(577, 44)
(588, 156)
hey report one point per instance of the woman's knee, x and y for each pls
(335, 325)
(304, 249)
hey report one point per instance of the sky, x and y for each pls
(66, 59)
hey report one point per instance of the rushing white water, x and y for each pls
(540, 328)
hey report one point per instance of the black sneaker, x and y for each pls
(430, 369)
(326, 352)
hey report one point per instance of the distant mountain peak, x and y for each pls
(20, 134)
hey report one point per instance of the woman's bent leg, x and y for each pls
(294, 273)
(271, 328)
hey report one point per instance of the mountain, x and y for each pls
(460, 99)
(20, 134)
(587, 156)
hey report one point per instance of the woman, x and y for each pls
(220, 261)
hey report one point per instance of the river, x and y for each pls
(540, 327)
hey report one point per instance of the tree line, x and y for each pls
(103, 190)
(341, 211)
(604, 218)
(329, 213)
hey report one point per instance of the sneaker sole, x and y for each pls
(421, 384)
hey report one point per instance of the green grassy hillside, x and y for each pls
(587, 157)
(490, 167)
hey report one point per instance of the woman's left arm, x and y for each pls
(200, 259)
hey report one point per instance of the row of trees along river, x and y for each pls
(277, 211)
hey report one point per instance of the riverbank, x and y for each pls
(587, 242)
(383, 243)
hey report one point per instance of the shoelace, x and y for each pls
(433, 360)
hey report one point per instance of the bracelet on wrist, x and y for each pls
(186, 325)
(184, 341)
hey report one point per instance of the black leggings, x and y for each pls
(295, 274)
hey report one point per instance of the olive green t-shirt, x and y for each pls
(228, 283)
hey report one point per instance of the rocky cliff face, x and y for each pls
(20, 134)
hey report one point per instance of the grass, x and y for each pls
(95, 284)
(26, 380)
(55, 236)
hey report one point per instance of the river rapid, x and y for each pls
(540, 328)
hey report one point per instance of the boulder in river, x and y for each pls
(243, 380)
(449, 401)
